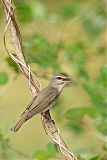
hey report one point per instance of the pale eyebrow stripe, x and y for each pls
(58, 76)
(62, 77)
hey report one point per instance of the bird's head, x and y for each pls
(59, 81)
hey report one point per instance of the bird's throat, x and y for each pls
(60, 87)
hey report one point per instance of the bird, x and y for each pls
(44, 100)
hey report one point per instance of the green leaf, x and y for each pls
(75, 113)
(40, 51)
(103, 71)
(93, 24)
(76, 54)
(74, 125)
(96, 98)
(102, 127)
(76, 48)
(24, 11)
(52, 149)
(28, 11)
(101, 80)
(70, 10)
(93, 112)
(4, 145)
(3, 78)
(13, 65)
(97, 157)
(105, 147)
(40, 155)
(83, 73)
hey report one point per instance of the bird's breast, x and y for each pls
(46, 109)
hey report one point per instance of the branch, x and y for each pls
(19, 58)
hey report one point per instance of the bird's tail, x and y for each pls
(18, 125)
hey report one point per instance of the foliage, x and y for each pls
(93, 24)
(31, 11)
(13, 65)
(69, 11)
(4, 146)
(51, 152)
(76, 53)
(40, 51)
(3, 78)
(24, 11)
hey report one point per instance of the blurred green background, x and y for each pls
(58, 36)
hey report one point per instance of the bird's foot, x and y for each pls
(47, 118)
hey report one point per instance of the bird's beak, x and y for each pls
(68, 79)
(71, 80)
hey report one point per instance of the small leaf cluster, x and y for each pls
(50, 153)
(3, 78)
(41, 52)
(4, 146)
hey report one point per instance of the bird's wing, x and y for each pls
(29, 105)
(37, 105)
(41, 102)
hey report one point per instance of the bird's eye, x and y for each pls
(59, 78)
